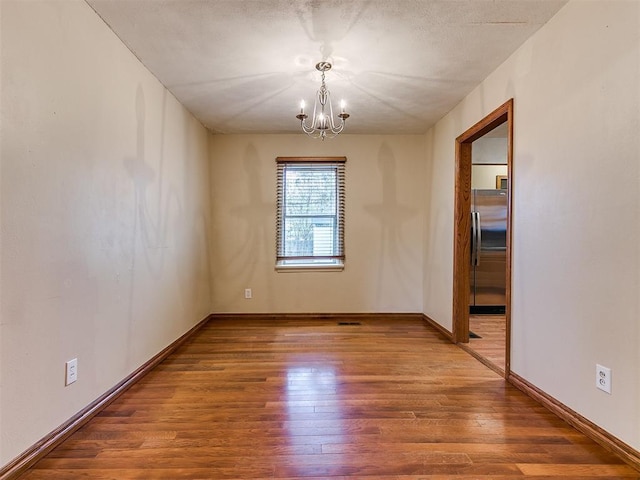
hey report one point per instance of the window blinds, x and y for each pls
(310, 209)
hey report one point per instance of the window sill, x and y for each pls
(310, 267)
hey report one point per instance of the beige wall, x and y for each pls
(576, 226)
(107, 250)
(484, 176)
(384, 222)
(104, 216)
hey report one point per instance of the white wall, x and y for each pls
(576, 211)
(104, 216)
(383, 231)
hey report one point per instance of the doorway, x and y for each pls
(465, 241)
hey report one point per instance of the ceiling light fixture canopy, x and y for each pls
(323, 124)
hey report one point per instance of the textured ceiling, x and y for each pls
(242, 66)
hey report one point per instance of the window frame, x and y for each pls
(301, 263)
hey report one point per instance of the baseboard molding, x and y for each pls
(435, 325)
(314, 316)
(481, 359)
(29, 457)
(590, 429)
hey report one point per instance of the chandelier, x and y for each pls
(323, 124)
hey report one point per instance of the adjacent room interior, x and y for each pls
(142, 177)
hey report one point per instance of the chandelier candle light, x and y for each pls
(323, 124)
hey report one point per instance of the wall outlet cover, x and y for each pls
(603, 378)
(71, 371)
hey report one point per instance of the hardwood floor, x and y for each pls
(492, 331)
(311, 399)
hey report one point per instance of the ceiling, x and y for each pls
(242, 66)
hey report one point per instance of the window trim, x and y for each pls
(297, 264)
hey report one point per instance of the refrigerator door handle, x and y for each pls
(473, 238)
(478, 239)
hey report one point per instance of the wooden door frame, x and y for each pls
(462, 224)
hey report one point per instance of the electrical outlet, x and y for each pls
(71, 371)
(603, 378)
(247, 293)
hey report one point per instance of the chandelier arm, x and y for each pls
(331, 122)
(335, 129)
(307, 129)
(314, 117)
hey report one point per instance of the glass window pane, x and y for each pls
(310, 191)
(309, 236)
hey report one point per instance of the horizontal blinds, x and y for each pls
(310, 209)
(311, 160)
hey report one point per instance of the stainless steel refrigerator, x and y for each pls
(488, 251)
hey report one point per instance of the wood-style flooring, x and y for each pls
(310, 399)
(491, 345)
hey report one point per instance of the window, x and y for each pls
(310, 216)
